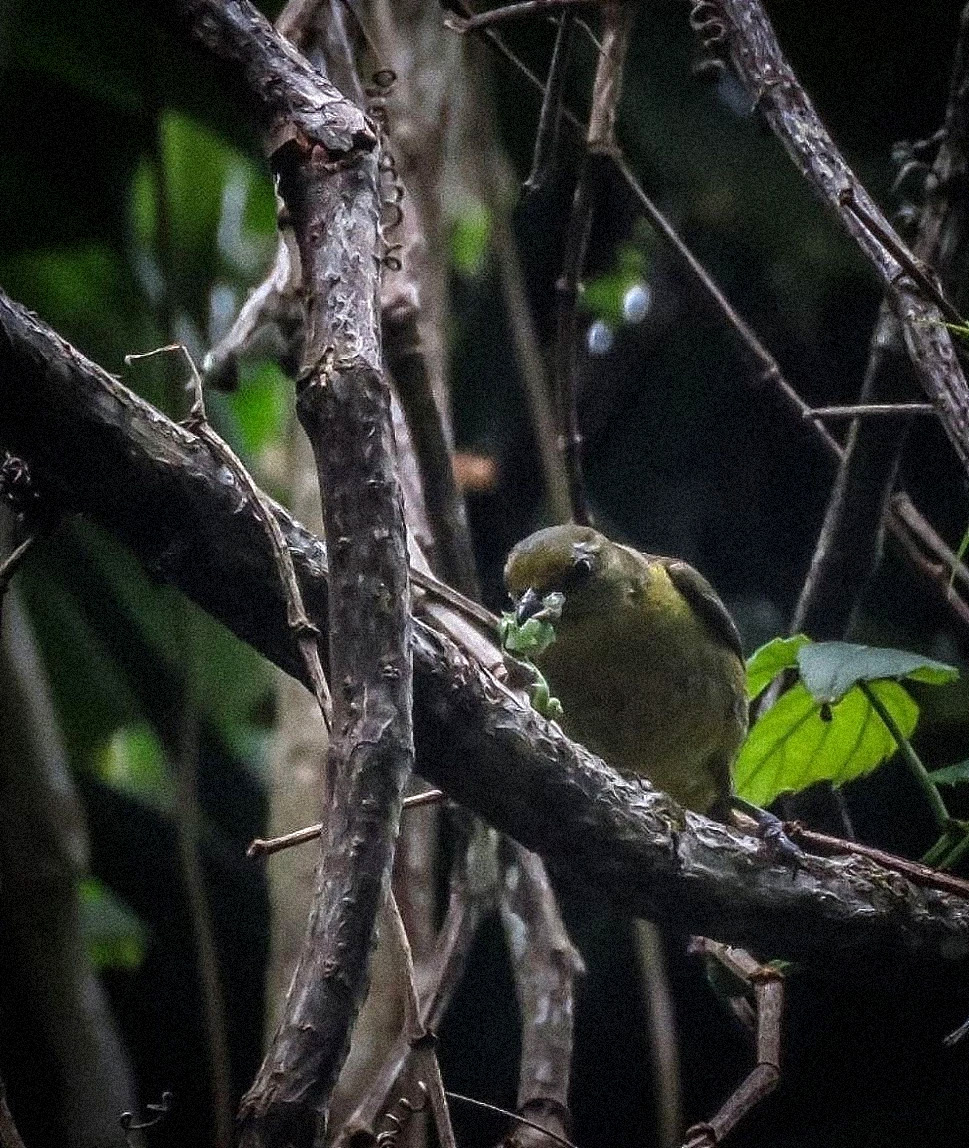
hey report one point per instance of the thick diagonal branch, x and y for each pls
(747, 38)
(289, 98)
(108, 454)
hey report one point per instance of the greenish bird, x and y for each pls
(646, 661)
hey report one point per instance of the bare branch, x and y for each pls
(264, 848)
(747, 38)
(870, 410)
(545, 966)
(549, 119)
(849, 544)
(600, 145)
(292, 100)
(326, 156)
(926, 551)
(521, 10)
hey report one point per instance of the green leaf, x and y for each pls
(830, 669)
(114, 936)
(228, 679)
(261, 406)
(773, 658)
(957, 774)
(792, 746)
(133, 761)
(532, 637)
(526, 639)
(470, 238)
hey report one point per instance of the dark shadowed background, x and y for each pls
(137, 208)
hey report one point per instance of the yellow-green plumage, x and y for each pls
(646, 662)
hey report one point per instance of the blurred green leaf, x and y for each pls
(133, 761)
(771, 659)
(960, 554)
(122, 651)
(261, 406)
(605, 296)
(470, 237)
(830, 669)
(196, 165)
(114, 936)
(143, 205)
(228, 677)
(76, 288)
(800, 741)
(957, 774)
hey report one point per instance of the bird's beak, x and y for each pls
(527, 606)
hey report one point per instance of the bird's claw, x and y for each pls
(771, 831)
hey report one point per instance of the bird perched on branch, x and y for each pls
(646, 661)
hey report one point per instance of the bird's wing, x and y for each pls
(705, 601)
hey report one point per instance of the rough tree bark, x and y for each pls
(110, 455)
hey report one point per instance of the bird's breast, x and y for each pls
(652, 693)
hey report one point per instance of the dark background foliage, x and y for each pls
(136, 207)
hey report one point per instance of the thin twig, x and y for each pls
(518, 11)
(549, 118)
(498, 182)
(416, 1033)
(483, 1104)
(306, 632)
(918, 771)
(951, 565)
(11, 564)
(938, 574)
(767, 368)
(455, 599)
(867, 410)
(600, 145)
(408, 366)
(263, 847)
(661, 1027)
(916, 872)
(913, 268)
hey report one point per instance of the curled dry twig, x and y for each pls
(307, 634)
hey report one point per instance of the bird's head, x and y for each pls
(572, 560)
